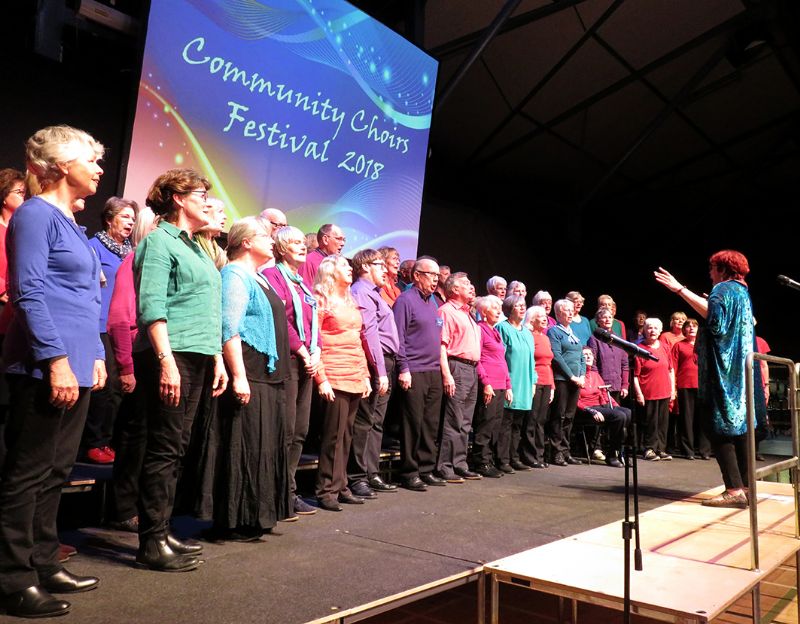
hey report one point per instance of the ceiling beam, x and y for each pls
(701, 39)
(587, 34)
(456, 46)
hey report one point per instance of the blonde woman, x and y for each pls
(343, 378)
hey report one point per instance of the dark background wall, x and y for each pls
(514, 228)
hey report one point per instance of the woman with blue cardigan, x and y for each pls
(53, 359)
(568, 371)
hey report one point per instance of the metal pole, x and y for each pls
(751, 462)
(490, 33)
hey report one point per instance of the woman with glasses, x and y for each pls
(175, 354)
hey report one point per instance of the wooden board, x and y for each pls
(696, 559)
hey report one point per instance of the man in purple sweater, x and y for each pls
(419, 329)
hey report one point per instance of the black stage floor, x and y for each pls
(334, 561)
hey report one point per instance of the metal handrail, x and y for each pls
(792, 463)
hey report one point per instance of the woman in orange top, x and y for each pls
(390, 291)
(343, 378)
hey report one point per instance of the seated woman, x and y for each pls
(595, 405)
(494, 387)
(343, 378)
(252, 489)
(654, 385)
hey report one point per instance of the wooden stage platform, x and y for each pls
(696, 559)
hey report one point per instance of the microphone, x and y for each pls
(633, 349)
(785, 281)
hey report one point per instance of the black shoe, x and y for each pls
(64, 582)
(506, 468)
(487, 470)
(538, 465)
(415, 484)
(690, 457)
(244, 535)
(131, 525)
(572, 460)
(559, 460)
(379, 485)
(705, 456)
(613, 462)
(519, 466)
(468, 474)
(362, 490)
(33, 602)
(155, 553)
(349, 499)
(431, 479)
(184, 547)
(328, 505)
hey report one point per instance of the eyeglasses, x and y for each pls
(20, 192)
(202, 194)
(277, 225)
(341, 239)
(429, 273)
(380, 263)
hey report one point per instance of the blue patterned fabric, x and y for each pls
(722, 348)
(246, 312)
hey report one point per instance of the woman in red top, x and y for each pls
(654, 384)
(537, 321)
(685, 361)
(342, 376)
(389, 291)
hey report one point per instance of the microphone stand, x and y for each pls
(629, 527)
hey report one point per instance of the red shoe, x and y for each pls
(99, 456)
(65, 551)
(110, 452)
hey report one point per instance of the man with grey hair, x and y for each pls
(418, 360)
(460, 354)
(331, 241)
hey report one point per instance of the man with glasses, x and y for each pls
(276, 218)
(331, 240)
(419, 329)
(379, 332)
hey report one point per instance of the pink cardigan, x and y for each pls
(121, 325)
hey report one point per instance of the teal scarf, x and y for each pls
(291, 278)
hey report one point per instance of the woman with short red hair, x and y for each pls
(722, 349)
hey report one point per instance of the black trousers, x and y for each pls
(130, 441)
(42, 443)
(420, 423)
(509, 435)
(656, 422)
(298, 414)
(562, 413)
(531, 447)
(365, 452)
(104, 404)
(691, 434)
(616, 419)
(485, 425)
(335, 439)
(168, 432)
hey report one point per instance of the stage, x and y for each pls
(334, 563)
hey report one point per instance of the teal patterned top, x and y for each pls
(722, 348)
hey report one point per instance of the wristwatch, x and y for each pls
(162, 355)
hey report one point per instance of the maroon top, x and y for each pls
(275, 279)
(685, 361)
(492, 367)
(308, 270)
(654, 376)
(543, 358)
